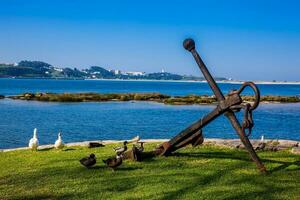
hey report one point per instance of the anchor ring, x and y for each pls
(256, 92)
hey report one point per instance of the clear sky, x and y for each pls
(246, 40)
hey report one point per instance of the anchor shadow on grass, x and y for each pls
(206, 182)
(45, 196)
(148, 156)
(69, 149)
(46, 149)
(52, 148)
(97, 167)
(284, 165)
(241, 156)
(127, 168)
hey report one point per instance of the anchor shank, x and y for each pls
(210, 80)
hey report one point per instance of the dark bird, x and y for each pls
(95, 144)
(120, 150)
(113, 162)
(141, 147)
(88, 161)
(261, 146)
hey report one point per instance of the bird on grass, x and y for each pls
(120, 150)
(95, 144)
(34, 142)
(59, 144)
(89, 161)
(113, 162)
(140, 148)
(262, 144)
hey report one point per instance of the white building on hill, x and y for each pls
(135, 73)
(115, 71)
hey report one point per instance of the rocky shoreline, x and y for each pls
(270, 145)
(155, 97)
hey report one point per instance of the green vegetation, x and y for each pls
(191, 99)
(157, 97)
(269, 98)
(80, 97)
(204, 172)
(39, 69)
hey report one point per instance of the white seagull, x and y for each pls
(134, 140)
(34, 142)
(262, 139)
(59, 144)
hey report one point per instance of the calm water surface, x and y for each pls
(122, 120)
(17, 86)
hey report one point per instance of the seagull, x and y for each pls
(34, 142)
(262, 139)
(135, 139)
(59, 144)
(120, 150)
(88, 161)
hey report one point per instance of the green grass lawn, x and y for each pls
(205, 172)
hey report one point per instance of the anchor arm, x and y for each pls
(196, 126)
(185, 136)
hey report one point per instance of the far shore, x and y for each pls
(195, 81)
(231, 143)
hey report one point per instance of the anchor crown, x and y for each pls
(189, 44)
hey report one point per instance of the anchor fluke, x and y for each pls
(189, 44)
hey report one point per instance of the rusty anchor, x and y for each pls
(226, 105)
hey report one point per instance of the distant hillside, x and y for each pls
(39, 69)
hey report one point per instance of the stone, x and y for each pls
(295, 150)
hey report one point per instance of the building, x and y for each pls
(115, 71)
(58, 69)
(135, 73)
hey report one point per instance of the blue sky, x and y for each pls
(246, 40)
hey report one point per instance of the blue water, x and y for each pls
(17, 86)
(123, 120)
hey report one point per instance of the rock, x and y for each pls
(95, 144)
(295, 150)
(27, 96)
(2, 96)
(296, 144)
